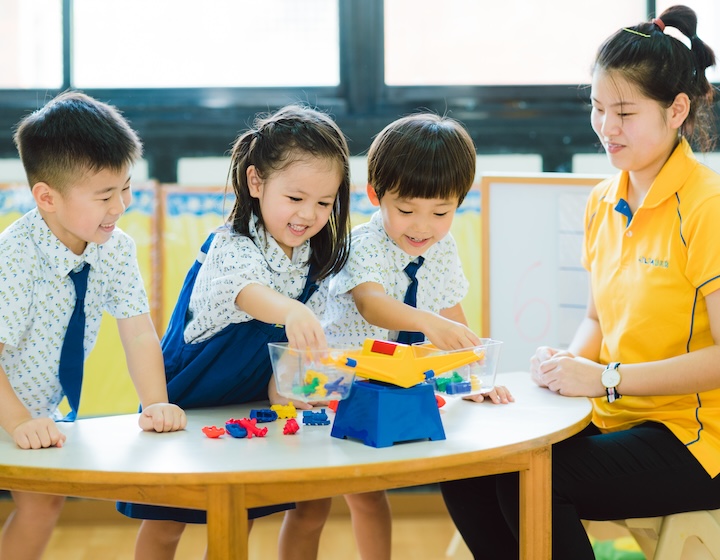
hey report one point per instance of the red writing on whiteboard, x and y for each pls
(532, 313)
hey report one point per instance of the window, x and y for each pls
(514, 42)
(223, 43)
(31, 44)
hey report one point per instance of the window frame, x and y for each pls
(552, 121)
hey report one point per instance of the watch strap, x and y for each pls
(612, 392)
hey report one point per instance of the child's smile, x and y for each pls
(296, 202)
(416, 224)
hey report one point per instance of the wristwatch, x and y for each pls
(611, 379)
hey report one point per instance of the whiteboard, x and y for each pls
(534, 287)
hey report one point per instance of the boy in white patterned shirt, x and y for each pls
(77, 153)
(420, 168)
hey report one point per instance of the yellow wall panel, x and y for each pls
(107, 387)
(169, 224)
(466, 231)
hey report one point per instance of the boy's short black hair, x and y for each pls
(71, 135)
(422, 156)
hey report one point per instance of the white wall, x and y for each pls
(203, 171)
(712, 160)
(212, 171)
(11, 171)
(594, 164)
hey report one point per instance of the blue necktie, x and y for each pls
(411, 269)
(72, 353)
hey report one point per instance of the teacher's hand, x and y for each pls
(543, 354)
(571, 377)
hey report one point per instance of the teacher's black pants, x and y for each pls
(641, 472)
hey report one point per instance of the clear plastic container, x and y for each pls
(470, 379)
(311, 375)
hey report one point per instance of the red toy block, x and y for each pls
(291, 427)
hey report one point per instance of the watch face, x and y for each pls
(610, 377)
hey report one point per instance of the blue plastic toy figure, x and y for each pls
(311, 418)
(264, 414)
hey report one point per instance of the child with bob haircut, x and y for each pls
(77, 153)
(420, 168)
(255, 282)
(648, 349)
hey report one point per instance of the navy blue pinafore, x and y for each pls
(231, 367)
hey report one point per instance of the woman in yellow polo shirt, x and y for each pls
(648, 350)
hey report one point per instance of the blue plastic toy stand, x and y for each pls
(381, 415)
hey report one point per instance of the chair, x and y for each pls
(663, 538)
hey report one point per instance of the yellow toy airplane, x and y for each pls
(403, 365)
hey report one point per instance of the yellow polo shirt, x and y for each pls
(650, 273)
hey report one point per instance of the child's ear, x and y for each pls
(45, 196)
(679, 110)
(372, 195)
(254, 181)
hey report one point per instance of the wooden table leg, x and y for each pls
(536, 507)
(227, 523)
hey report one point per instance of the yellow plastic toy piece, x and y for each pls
(403, 365)
(285, 410)
(311, 376)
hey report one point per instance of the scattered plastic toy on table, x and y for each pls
(234, 428)
(213, 432)
(264, 414)
(311, 418)
(285, 410)
(237, 428)
(291, 427)
(250, 424)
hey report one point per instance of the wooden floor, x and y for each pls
(422, 530)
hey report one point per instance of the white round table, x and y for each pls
(111, 458)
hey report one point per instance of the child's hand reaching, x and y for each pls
(303, 328)
(162, 417)
(449, 335)
(38, 433)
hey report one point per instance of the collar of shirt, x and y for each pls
(276, 258)
(399, 257)
(56, 253)
(671, 178)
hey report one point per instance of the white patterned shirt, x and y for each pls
(374, 257)
(37, 298)
(235, 261)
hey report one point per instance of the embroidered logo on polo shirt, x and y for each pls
(654, 262)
